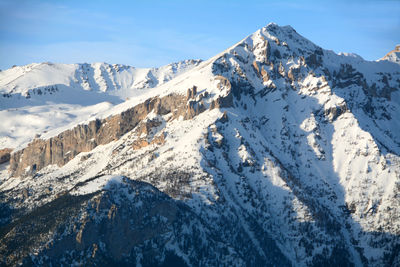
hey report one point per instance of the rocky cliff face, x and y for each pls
(78, 92)
(279, 153)
(5, 155)
(61, 149)
(394, 55)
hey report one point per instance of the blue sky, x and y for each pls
(153, 33)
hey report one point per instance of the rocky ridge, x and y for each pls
(39, 79)
(77, 92)
(393, 56)
(287, 152)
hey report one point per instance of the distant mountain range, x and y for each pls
(274, 152)
(40, 97)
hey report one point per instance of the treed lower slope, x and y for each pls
(282, 152)
(106, 226)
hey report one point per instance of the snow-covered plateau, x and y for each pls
(274, 152)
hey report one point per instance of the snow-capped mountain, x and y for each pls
(115, 79)
(273, 152)
(37, 98)
(393, 55)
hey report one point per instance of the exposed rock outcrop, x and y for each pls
(262, 73)
(224, 118)
(222, 102)
(62, 148)
(348, 75)
(223, 82)
(191, 93)
(294, 74)
(315, 60)
(334, 112)
(393, 55)
(5, 155)
(145, 127)
(256, 68)
(302, 171)
(143, 141)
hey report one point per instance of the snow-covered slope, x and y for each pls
(284, 152)
(119, 80)
(39, 97)
(393, 56)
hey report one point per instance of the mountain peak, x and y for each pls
(282, 38)
(273, 152)
(394, 55)
(273, 26)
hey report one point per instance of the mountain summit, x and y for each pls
(273, 152)
(393, 55)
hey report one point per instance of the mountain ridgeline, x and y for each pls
(273, 152)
